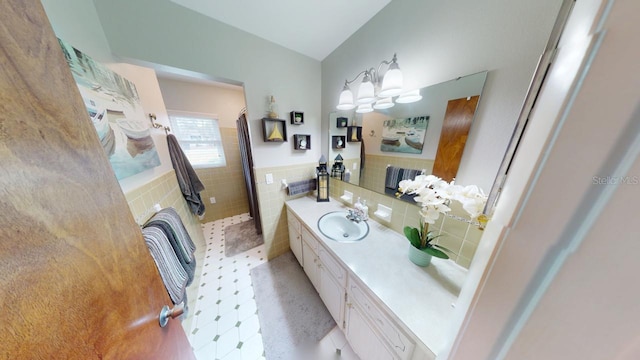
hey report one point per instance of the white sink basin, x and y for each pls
(336, 226)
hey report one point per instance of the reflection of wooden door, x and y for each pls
(455, 129)
(76, 279)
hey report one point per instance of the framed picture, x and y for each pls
(405, 135)
(297, 118)
(338, 142)
(302, 142)
(274, 130)
(354, 133)
(341, 122)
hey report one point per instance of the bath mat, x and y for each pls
(241, 237)
(290, 311)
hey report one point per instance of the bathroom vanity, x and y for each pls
(387, 307)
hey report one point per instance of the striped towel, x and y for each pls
(169, 221)
(171, 271)
(391, 180)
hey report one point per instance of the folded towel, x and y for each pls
(173, 275)
(169, 221)
(300, 187)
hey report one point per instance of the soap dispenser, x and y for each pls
(365, 210)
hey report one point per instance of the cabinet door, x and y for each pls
(311, 265)
(332, 294)
(295, 237)
(363, 340)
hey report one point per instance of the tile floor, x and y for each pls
(222, 321)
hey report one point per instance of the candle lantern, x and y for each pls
(322, 184)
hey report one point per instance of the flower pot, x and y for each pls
(419, 257)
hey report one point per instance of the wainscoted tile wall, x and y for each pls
(165, 191)
(271, 198)
(226, 184)
(456, 235)
(376, 166)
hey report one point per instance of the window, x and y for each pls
(200, 139)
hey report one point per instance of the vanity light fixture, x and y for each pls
(374, 86)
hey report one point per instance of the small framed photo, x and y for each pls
(338, 142)
(342, 122)
(297, 118)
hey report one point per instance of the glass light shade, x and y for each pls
(409, 97)
(383, 104)
(392, 82)
(364, 108)
(366, 93)
(346, 100)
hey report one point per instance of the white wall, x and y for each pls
(440, 40)
(561, 284)
(225, 102)
(161, 32)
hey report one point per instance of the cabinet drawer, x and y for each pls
(310, 239)
(333, 266)
(293, 221)
(399, 342)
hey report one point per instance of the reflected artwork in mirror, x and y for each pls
(433, 145)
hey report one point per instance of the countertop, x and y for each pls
(421, 298)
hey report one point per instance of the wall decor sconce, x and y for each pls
(297, 118)
(337, 141)
(354, 133)
(274, 130)
(302, 142)
(376, 89)
(322, 180)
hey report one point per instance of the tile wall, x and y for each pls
(226, 184)
(375, 169)
(271, 198)
(457, 235)
(165, 191)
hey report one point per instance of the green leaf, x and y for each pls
(442, 248)
(413, 235)
(435, 252)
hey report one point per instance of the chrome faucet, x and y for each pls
(354, 215)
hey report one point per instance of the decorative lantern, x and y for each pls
(323, 180)
(337, 170)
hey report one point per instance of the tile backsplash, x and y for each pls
(456, 234)
(165, 191)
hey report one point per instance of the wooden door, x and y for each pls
(76, 279)
(455, 130)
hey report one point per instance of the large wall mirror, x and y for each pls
(379, 148)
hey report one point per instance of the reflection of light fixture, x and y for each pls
(409, 97)
(373, 86)
(383, 104)
(364, 108)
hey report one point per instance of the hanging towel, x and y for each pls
(169, 221)
(190, 184)
(173, 275)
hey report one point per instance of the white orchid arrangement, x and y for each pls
(435, 196)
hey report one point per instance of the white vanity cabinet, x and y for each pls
(371, 326)
(388, 334)
(360, 335)
(333, 279)
(295, 236)
(310, 255)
